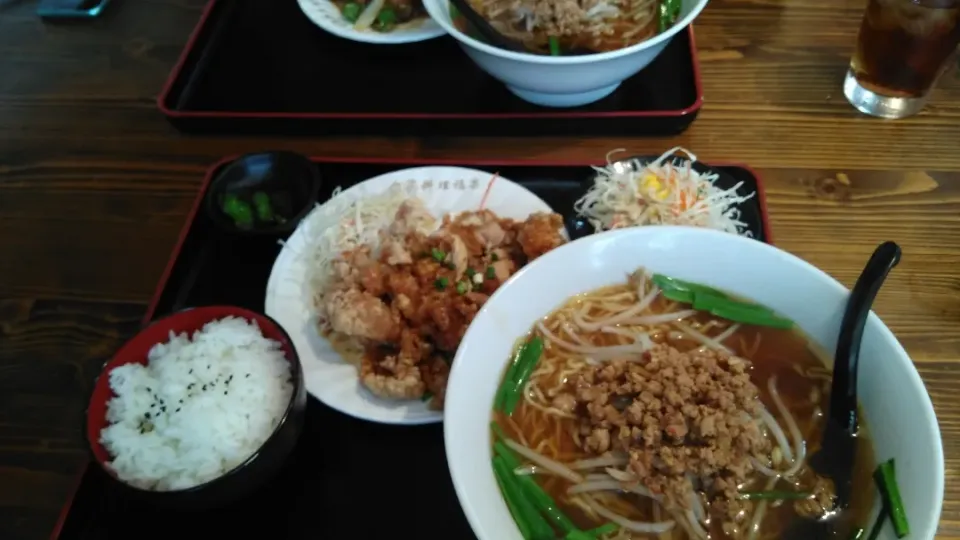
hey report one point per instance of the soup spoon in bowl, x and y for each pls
(494, 36)
(837, 454)
(485, 29)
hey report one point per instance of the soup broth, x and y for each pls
(781, 363)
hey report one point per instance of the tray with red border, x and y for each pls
(343, 468)
(261, 67)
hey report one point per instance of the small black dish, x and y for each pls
(750, 214)
(285, 183)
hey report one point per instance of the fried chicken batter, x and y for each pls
(410, 301)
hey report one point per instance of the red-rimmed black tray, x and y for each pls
(347, 478)
(261, 67)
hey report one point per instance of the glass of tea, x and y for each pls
(904, 46)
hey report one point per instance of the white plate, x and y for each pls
(289, 299)
(325, 14)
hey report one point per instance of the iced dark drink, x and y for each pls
(903, 48)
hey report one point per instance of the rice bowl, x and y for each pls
(200, 407)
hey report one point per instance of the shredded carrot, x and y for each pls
(486, 193)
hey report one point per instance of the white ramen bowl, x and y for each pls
(562, 81)
(897, 409)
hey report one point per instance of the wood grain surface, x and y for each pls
(94, 186)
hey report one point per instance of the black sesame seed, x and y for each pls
(190, 372)
(224, 392)
(149, 390)
(178, 409)
(204, 388)
(147, 415)
(248, 375)
(181, 401)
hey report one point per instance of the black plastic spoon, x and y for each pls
(494, 37)
(487, 32)
(835, 459)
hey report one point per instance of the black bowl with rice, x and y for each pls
(199, 409)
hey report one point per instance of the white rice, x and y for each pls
(199, 408)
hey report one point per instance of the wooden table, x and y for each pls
(94, 186)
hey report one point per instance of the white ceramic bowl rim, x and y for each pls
(441, 14)
(911, 432)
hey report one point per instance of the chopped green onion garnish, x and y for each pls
(669, 283)
(351, 11)
(386, 16)
(386, 20)
(710, 300)
(886, 479)
(554, 46)
(426, 396)
(513, 493)
(578, 535)
(494, 257)
(438, 254)
(677, 295)
(529, 356)
(471, 272)
(510, 494)
(490, 272)
(775, 495)
(441, 283)
(878, 523)
(506, 386)
(461, 287)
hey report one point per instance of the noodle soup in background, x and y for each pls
(563, 81)
(893, 399)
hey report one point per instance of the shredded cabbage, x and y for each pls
(346, 222)
(666, 191)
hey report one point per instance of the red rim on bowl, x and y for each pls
(135, 351)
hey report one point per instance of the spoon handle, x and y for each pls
(843, 394)
(485, 28)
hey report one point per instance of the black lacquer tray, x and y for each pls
(261, 67)
(348, 478)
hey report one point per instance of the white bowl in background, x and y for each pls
(897, 409)
(327, 16)
(562, 81)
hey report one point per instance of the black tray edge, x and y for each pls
(403, 162)
(175, 116)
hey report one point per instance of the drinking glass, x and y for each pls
(904, 46)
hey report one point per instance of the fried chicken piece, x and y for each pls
(540, 233)
(362, 315)
(396, 376)
(435, 372)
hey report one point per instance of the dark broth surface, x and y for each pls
(803, 382)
